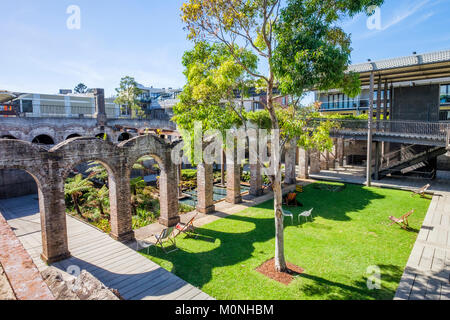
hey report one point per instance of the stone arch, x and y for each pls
(73, 135)
(43, 139)
(161, 151)
(36, 161)
(85, 149)
(8, 137)
(42, 130)
(124, 136)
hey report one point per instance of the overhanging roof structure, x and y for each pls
(412, 68)
(6, 96)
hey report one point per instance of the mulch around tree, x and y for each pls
(268, 269)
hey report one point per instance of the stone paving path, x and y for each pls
(427, 272)
(113, 263)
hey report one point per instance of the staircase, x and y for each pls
(407, 160)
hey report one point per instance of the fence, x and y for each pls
(85, 111)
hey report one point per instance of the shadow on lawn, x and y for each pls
(196, 267)
(359, 290)
(335, 205)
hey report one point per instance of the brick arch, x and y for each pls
(45, 131)
(37, 161)
(161, 151)
(73, 135)
(22, 155)
(147, 145)
(85, 149)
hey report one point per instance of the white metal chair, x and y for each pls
(306, 214)
(288, 214)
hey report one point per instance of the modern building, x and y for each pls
(415, 87)
(157, 104)
(411, 104)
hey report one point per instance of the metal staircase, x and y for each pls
(407, 160)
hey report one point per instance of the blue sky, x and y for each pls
(145, 39)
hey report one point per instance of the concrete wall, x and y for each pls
(418, 103)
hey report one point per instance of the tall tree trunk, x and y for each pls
(280, 262)
(77, 207)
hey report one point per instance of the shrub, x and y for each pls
(189, 174)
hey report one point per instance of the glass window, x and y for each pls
(27, 106)
(445, 94)
(444, 115)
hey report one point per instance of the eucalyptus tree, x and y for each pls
(300, 46)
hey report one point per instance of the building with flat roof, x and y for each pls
(415, 87)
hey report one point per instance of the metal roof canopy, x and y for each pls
(413, 68)
(6, 96)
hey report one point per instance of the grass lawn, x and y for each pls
(349, 233)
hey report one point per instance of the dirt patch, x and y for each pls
(268, 269)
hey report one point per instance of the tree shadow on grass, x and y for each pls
(334, 205)
(236, 246)
(359, 289)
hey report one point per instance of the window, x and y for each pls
(445, 94)
(256, 106)
(444, 115)
(27, 106)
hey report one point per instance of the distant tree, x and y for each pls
(128, 95)
(80, 88)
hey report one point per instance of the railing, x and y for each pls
(396, 157)
(433, 130)
(88, 111)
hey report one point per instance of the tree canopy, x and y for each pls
(80, 88)
(299, 46)
(128, 95)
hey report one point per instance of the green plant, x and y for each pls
(245, 176)
(75, 187)
(189, 174)
(183, 208)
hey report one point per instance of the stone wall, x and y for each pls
(59, 129)
(16, 183)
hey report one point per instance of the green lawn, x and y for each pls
(349, 233)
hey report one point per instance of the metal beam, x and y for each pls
(369, 134)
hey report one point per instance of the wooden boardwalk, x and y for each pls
(113, 263)
(427, 273)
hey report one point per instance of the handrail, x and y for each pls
(434, 130)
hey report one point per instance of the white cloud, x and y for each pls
(406, 13)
